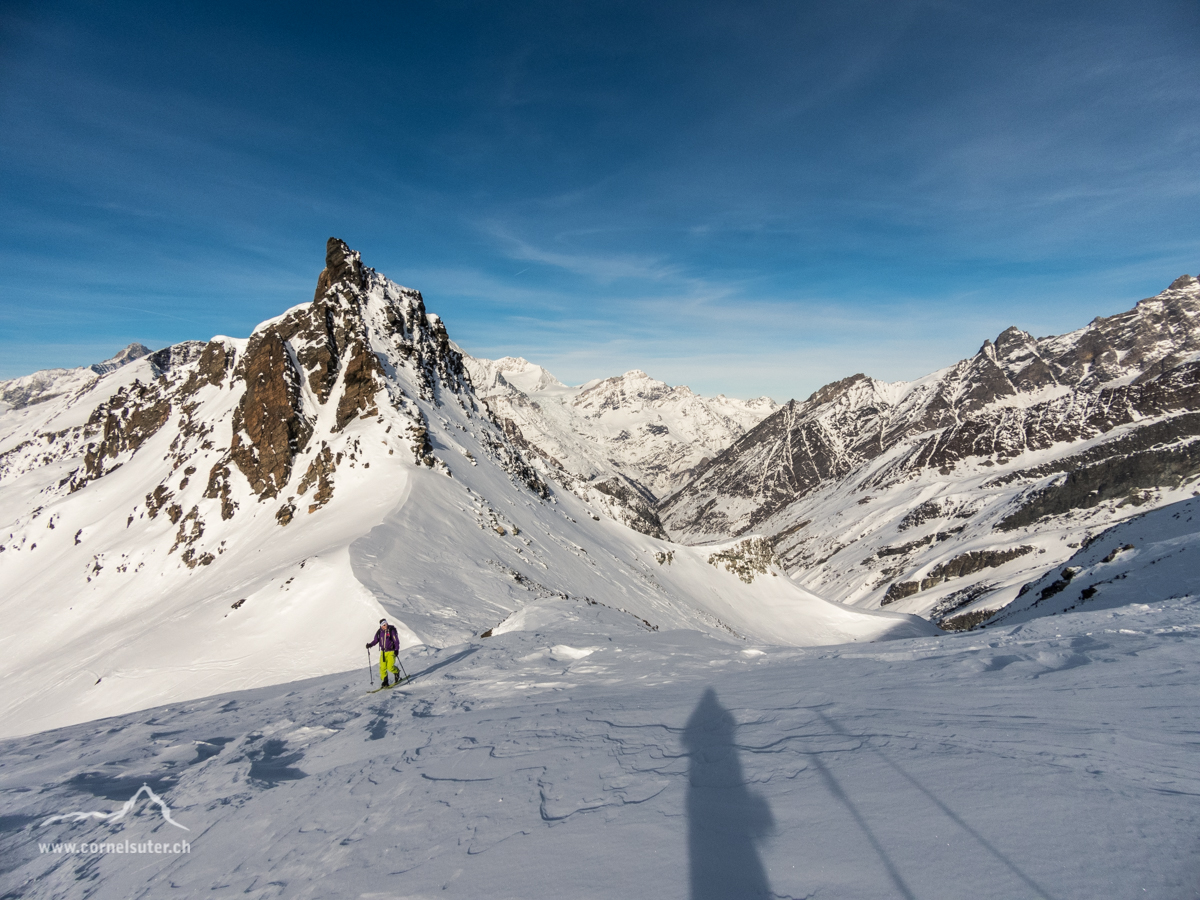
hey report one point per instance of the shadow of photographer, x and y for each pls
(725, 820)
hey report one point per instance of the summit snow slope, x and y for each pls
(583, 756)
(241, 513)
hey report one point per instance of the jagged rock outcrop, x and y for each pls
(124, 422)
(320, 475)
(962, 565)
(269, 425)
(236, 423)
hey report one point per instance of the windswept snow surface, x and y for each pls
(580, 755)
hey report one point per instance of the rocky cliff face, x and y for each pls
(1029, 434)
(619, 443)
(261, 422)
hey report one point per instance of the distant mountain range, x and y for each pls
(620, 443)
(18, 393)
(942, 496)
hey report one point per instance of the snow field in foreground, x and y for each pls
(586, 758)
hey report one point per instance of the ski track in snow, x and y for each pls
(1053, 759)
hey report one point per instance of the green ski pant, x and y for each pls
(387, 663)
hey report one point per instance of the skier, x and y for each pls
(389, 642)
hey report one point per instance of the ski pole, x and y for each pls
(370, 671)
(401, 665)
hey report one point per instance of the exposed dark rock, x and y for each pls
(342, 266)
(285, 513)
(512, 431)
(214, 362)
(930, 509)
(835, 390)
(511, 460)
(1153, 435)
(1059, 585)
(157, 499)
(175, 357)
(360, 386)
(422, 449)
(642, 516)
(972, 562)
(904, 548)
(133, 352)
(746, 559)
(898, 590)
(1119, 478)
(1119, 371)
(125, 421)
(320, 472)
(1116, 552)
(268, 427)
(191, 529)
(218, 487)
(958, 567)
(967, 621)
(955, 601)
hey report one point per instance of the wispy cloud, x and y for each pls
(603, 268)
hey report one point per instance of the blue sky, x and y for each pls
(747, 198)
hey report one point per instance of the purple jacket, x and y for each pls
(386, 638)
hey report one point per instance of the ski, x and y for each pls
(386, 687)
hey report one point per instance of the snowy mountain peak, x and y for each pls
(171, 482)
(128, 355)
(619, 442)
(838, 390)
(524, 375)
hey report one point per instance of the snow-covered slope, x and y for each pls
(241, 512)
(934, 495)
(619, 443)
(1150, 558)
(587, 757)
